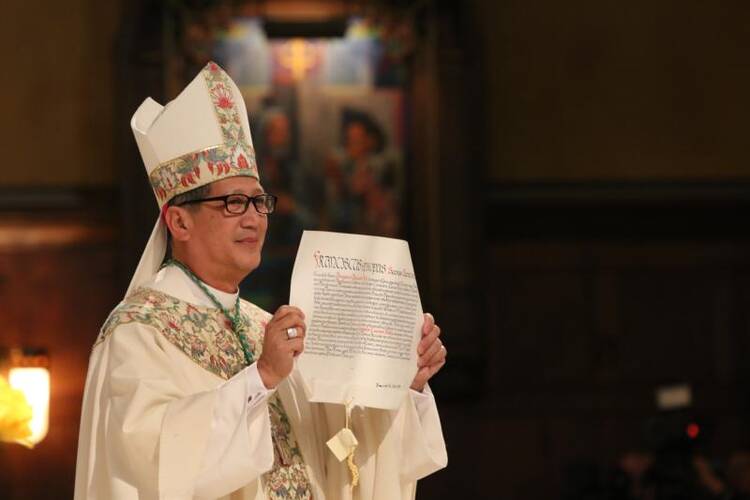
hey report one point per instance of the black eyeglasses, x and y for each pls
(237, 203)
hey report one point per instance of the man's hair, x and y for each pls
(192, 195)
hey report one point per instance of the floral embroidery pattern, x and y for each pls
(206, 336)
(288, 479)
(202, 333)
(234, 157)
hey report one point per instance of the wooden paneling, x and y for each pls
(57, 97)
(582, 331)
(610, 90)
(585, 329)
(54, 295)
(621, 312)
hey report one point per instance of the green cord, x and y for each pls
(233, 318)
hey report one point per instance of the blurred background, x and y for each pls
(572, 178)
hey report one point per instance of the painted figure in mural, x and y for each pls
(287, 177)
(284, 176)
(363, 179)
(191, 391)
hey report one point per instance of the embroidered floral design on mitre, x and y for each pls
(235, 156)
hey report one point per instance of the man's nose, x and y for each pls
(251, 217)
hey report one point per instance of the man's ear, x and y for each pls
(180, 222)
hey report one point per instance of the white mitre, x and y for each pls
(202, 136)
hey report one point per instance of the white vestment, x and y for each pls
(164, 419)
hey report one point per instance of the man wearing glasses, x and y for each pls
(191, 391)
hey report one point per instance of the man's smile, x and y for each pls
(249, 240)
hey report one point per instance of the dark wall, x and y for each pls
(615, 90)
(57, 93)
(604, 234)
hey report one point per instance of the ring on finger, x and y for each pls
(291, 332)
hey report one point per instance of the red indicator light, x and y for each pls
(692, 430)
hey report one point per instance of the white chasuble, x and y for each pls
(171, 412)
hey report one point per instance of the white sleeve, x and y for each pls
(236, 447)
(170, 443)
(423, 401)
(423, 444)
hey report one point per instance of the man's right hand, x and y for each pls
(277, 360)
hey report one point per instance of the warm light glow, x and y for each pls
(298, 57)
(34, 383)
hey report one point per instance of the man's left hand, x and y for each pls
(431, 352)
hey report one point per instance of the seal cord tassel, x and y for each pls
(353, 469)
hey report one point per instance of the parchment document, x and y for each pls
(363, 316)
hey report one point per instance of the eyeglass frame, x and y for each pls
(248, 200)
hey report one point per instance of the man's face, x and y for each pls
(277, 134)
(357, 143)
(231, 243)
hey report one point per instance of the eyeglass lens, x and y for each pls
(238, 204)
